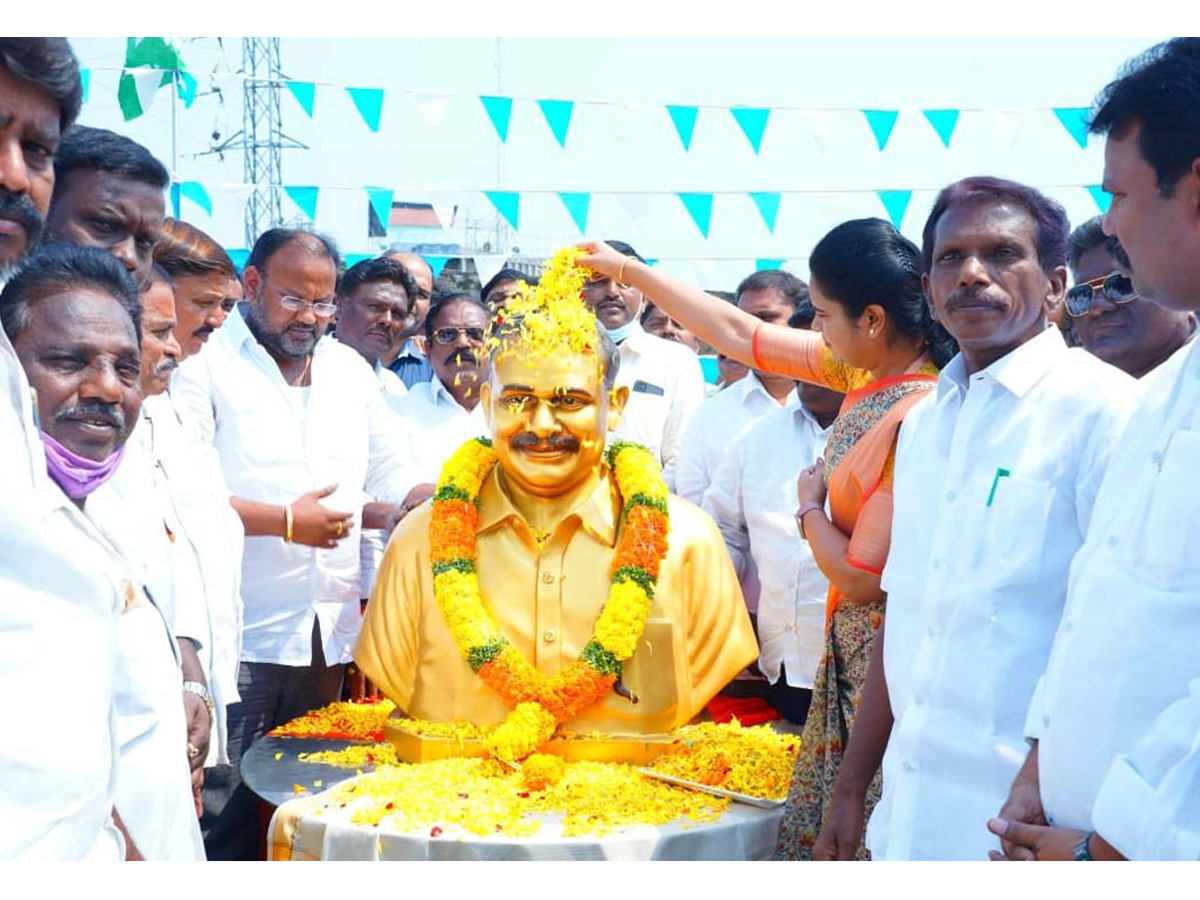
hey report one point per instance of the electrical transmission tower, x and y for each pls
(261, 139)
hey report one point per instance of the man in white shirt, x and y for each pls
(995, 479)
(410, 362)
(440, 415)
(1115, 721)
(771, 296)
(752, 500)
(666, 384)
(310, 452)
(73, 314)
(374, 301)
(58, 606)
(1106, 314)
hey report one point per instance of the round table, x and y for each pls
(274, 780)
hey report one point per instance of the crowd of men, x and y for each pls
(204, 467)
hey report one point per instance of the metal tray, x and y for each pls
(760, 802)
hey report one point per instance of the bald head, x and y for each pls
(422, 274)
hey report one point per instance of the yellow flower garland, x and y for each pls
(540, 703)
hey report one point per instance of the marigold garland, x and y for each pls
(541, 703)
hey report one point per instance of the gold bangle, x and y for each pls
(621, 271)
(287, 516)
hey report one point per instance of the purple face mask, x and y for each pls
(75, 474)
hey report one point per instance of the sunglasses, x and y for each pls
(1117, 289)
(447, 336)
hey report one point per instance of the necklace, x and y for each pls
(541, 703)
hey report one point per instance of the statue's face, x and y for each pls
(549, 419)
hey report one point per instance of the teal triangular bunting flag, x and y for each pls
(303, 197)
(1076, 122)
(195, 192)
(895, 202)
(85, 78)
(943, 121)
(185, 86)
(369, 103)
(305, 93)
(507, 203)
(353, 259)
(436, 264)
(699, 207)
(558, 117)
(175, 199)
(768, 206)
(381, 202)
(499, 110)
(753, 123)
(651, 262)
(882, 121)
(761, 264)
(684, 118)
(577, 205)
(239, 257)
(1102, 198)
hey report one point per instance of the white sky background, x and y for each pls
(621, 139)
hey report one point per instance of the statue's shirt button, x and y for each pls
(549, 635)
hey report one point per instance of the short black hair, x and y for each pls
(1051, 225)
(273, 240)
(793, 289)
(84, 147)
(625, 249)
(1160, 91)
(803, 316)
(380, 268)
(56, 266)
(441, 302)
(506, 274)
(50, 64)
(1090, 235)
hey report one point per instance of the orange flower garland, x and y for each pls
(540, 703)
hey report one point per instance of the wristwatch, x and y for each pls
(1082, 853)
(195, 687)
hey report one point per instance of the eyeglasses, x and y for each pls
(322, 309)
(447, 336)
(1117, 288)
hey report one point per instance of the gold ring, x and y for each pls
(193, 750)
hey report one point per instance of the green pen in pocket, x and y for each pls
(1000, 473)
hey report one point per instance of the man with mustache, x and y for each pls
(664, 378)
(108, 193)
(549, 524)
(59, 603)
(311, 454)
(996, 476)
(205, 282)
(73, 315)
(1109, 318)
(375, 306)
(409, 357)
(442, 413)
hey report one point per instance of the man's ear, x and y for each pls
(485, 400)
(251, 280)
(1056, 288)
(617, 398)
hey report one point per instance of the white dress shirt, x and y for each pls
(205, 551)
(666, 386)
(58, 642)
(435, 425)
(752, 498)
(277, 442)
(717, 422)
(994, 488)
(390, 382)
(1117, 713)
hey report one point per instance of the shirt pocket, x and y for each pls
(1169, 542)
(1010, 545)
(652, 674)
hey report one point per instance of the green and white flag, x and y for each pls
(150, 63)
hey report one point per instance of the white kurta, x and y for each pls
(1117, 713)
(752, 498)
(714, 426)
(995, 480)
(58, 623)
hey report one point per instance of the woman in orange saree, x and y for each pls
(872, 339)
